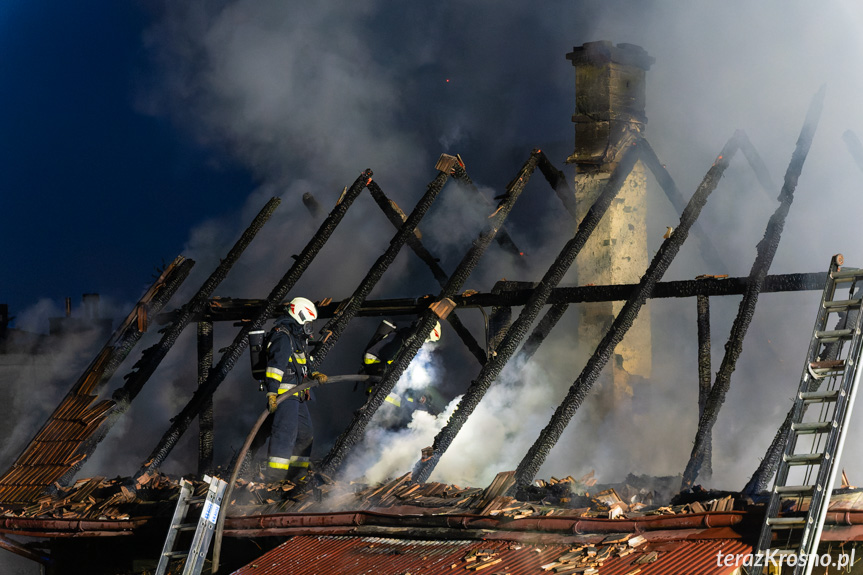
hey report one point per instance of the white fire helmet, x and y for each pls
(302, 310)
(435, 333)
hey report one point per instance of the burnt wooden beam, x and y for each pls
(537, 300)
(181, 422)
(705, 378)
(559, 183)
(766, 249)
(236, 310)
(332, 331)
(540, 332)
(205, 420)
(152, 357)
(549, 436)
(425, 322)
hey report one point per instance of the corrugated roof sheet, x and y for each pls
(319, 555)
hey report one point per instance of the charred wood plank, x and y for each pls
(538, 298)
(766, 249)
(337, 324)
(427, 319)
(226, 362)
(549, 436)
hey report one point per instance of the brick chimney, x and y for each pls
(609, 114)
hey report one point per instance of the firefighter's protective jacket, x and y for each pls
(292, 435)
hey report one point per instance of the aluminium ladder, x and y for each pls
(820, 412)
(204, 527)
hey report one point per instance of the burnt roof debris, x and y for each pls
(766, 249)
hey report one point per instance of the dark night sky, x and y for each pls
(95, 193)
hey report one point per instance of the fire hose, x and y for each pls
(220, 523)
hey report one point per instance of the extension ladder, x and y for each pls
(204, 527)
(820, 412)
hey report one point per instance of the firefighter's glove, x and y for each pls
(322, 379)
(272, 402)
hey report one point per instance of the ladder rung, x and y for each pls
(847, 275)
(841, 304)
(827, 366)
(786, 522)
(794, 489)
(831, 335)
(175, 554)
(819, 396)
(812, 427)
(186, 527)
(196, 499)
(804, 459)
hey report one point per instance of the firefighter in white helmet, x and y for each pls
(287, 350)
(380, 352)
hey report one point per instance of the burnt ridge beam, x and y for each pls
(205, 420)
(537, 300)
(766, 249)
(666, 182)
(767, 467)
(332, 331)
(534, 458)
(854, 147)
(153, 356)
(181, 422)
(425, 322)
(705, 378)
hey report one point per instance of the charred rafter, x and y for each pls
(766, 250)
(205, 420)
(705, 379)
(535, 456)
